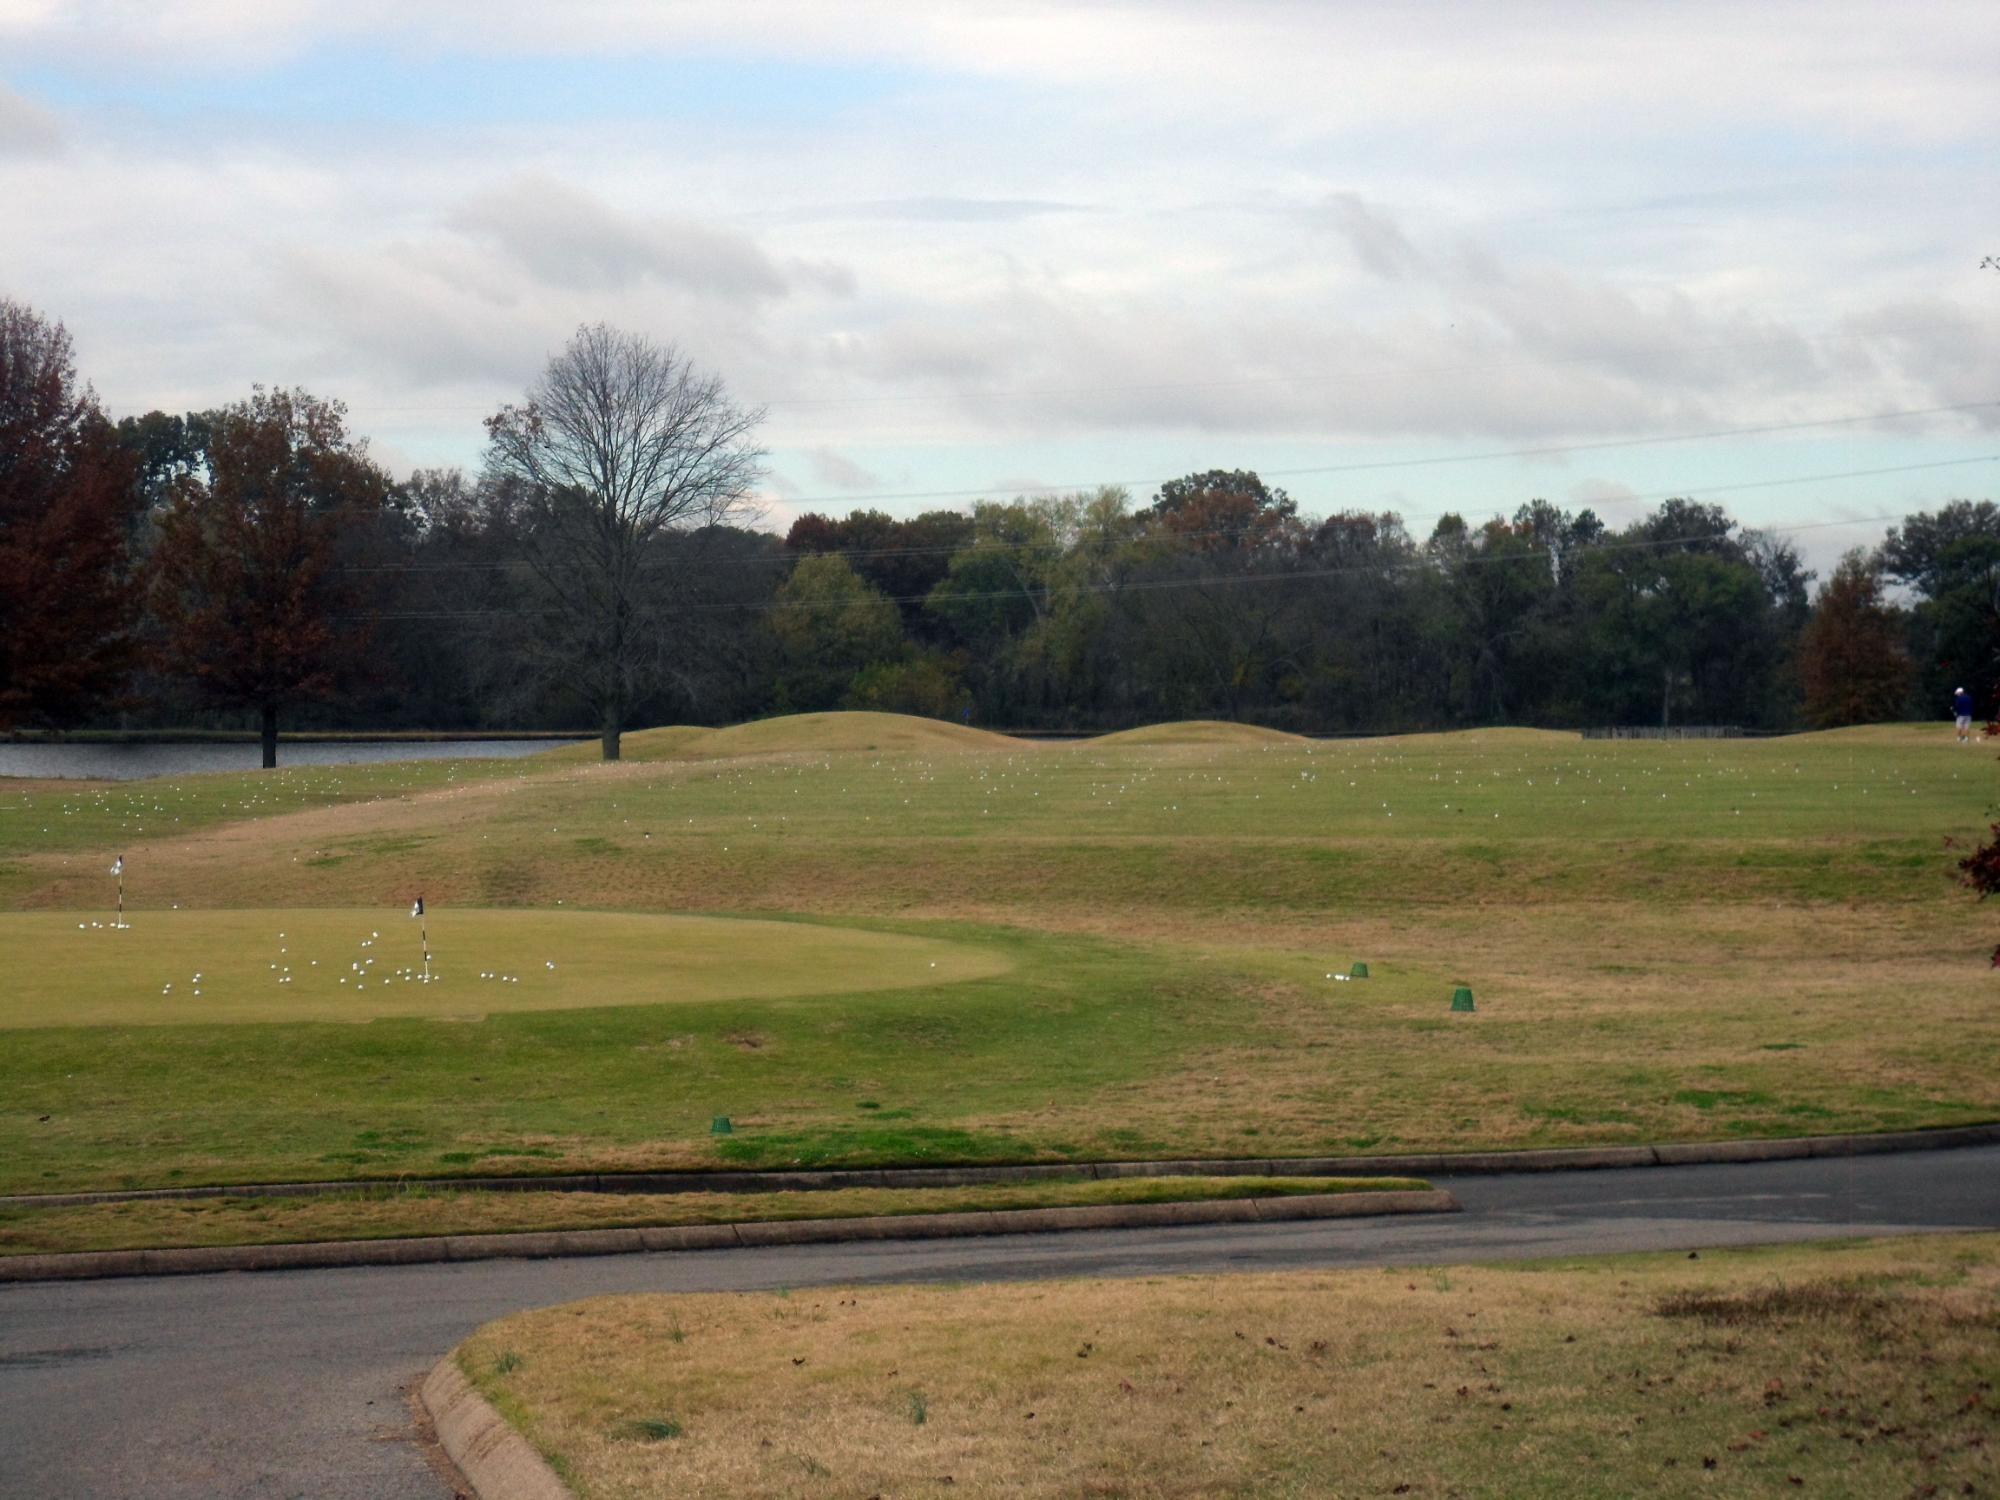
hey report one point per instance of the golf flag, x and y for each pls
(417, 914)
(118, 865)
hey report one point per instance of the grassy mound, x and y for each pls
(668, 742)
(900, 733)
(824, 733)
(181, 967)
(1200, 732)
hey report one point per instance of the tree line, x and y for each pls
(252, 565)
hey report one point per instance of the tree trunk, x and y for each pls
(613, 727)
(1667, 698)
(270, 736)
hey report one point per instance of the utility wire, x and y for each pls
(989, 545)
(1541, 452)
(1371, 465)
(1276, 576)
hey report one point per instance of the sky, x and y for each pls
(1423, 257)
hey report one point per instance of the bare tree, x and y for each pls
(620, 443)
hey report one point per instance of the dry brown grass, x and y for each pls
(1862, 1370)
(149, 1224)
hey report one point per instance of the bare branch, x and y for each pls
(621, 442)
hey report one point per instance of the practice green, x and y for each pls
(354, 964)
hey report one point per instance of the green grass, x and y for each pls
(418, 1210)
(633, 1085)
(179, 968)
(56, 817)
(1707, 939)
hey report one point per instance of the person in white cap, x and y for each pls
(1961, 708)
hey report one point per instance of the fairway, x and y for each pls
(1137, 940)
(181, 967)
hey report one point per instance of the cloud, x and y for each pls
(942, 210)
(1601, 494)
(568, 238)
(1307, 68)
(1053, 238)
(27, 129)
(842, 473)
(1518, 352)
(1376, 240)
(436, 315)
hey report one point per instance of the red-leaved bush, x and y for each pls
(1981, 870)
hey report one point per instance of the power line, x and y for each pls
(1547, 451)
(975, 545)
(1372, 465)
(1299, 575)
(1136, 585)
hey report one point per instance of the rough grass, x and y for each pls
(40, 817)
(418, 1210)
(1855, 1370)
(1694, 940)
(177, 968)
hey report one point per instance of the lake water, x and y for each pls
(131, 762)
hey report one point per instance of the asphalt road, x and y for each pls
(293, 1383)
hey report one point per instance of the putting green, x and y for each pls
(354, 964)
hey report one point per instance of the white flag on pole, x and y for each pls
(418, 909)
(118, 865)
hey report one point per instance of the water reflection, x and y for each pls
(132, 762)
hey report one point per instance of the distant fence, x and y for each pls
(1664, 732)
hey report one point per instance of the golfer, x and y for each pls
(1961, 708)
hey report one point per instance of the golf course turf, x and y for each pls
(177, 968)
(1138, 940)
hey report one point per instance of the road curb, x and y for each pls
(93, 1265)
(1422, 1164)
(495, 1459)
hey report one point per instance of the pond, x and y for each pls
(107, 762)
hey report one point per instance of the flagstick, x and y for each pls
(424, 930)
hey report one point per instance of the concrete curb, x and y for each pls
(1427, 1164)
(96, 1264)
(495, 1459)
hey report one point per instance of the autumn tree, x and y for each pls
(1224, 510)
(618, 449)
(1851, 657)
(67, 634)
(249, 588)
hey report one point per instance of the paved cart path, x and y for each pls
(291, 1384)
